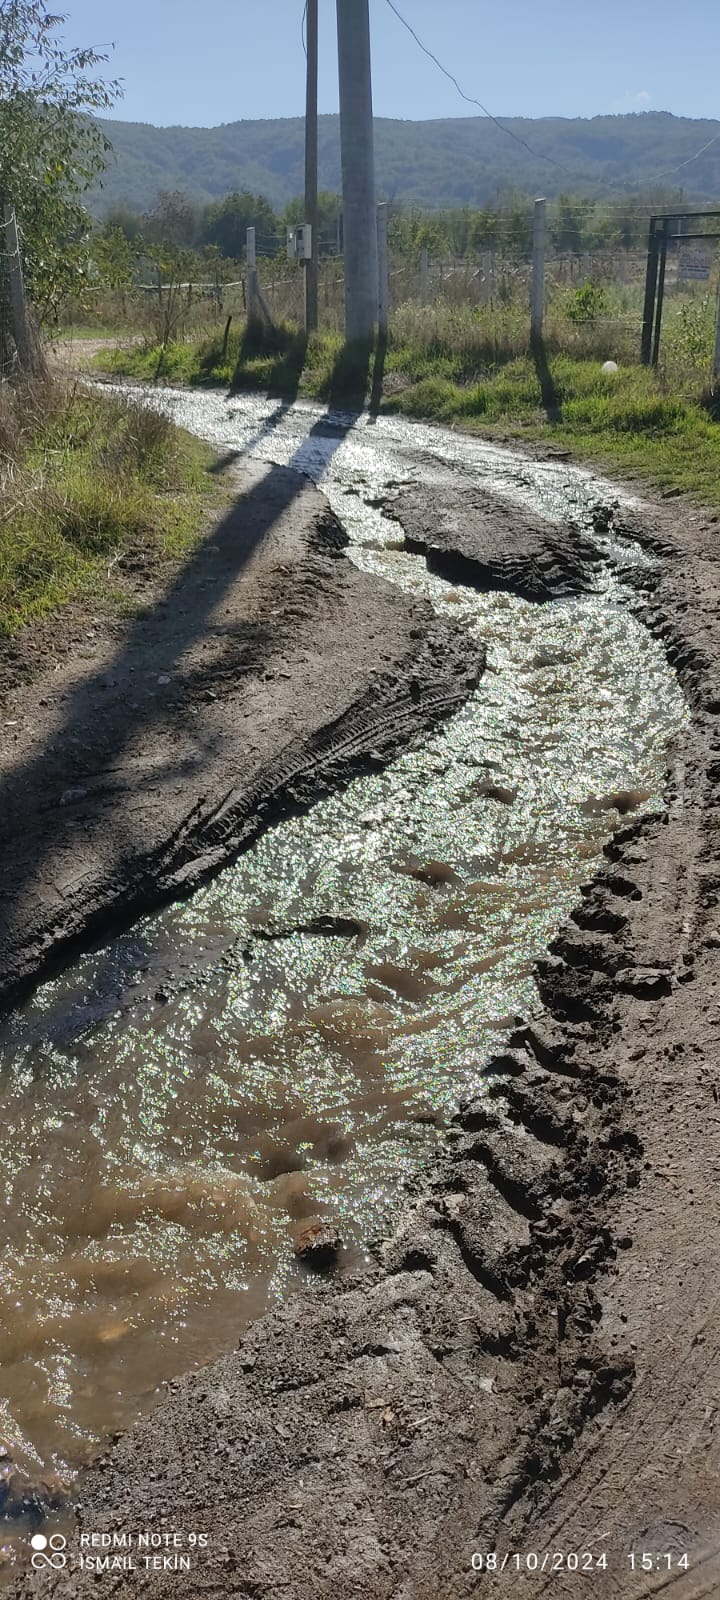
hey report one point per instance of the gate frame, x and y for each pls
(659, 237)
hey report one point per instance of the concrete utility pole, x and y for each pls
(537, 293)
(358, 169)
(311, 166)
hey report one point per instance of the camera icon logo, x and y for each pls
(49, 1552)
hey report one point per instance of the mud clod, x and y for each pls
(317, 1244)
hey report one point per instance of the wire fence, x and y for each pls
(593, 299)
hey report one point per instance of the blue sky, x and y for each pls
(190, 63)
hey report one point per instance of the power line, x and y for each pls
(302, 28)
(471, 101)
(670, 170)
(537, 154)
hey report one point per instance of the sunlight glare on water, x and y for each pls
(278, 1046)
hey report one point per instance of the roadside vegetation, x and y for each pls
(473, 367)
(85, 477)
(167, 286)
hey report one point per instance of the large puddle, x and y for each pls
(281, 1046)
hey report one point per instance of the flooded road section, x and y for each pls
(282, 1046)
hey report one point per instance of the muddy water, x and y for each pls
(280, 1046)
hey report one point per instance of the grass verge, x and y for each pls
(636, 423)
(83, 478)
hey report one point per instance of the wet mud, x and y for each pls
(136, 758)
(527, 1360)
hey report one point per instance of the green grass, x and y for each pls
(455, 366)
(83, 478)
(631, 422)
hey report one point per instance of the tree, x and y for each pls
(114, 258)
(124, 217)
(173, 219)
(51, 149)
(227, 221)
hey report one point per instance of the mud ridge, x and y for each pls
(529, 1362)
(112, 767)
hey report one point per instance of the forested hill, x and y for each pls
(463, 161)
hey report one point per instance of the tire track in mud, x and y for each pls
(519, 1235)
(655, 1436)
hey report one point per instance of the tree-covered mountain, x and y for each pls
(457, 162)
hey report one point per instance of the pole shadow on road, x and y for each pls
(551, 397)
(282, 352)
(98, 727)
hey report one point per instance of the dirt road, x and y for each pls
(137, 756)
(528, 1368)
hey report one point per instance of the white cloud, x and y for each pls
(633, 100)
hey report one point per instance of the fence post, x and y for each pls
(252, 279)
(487, 276)
(383, 272)
(660, 292)
(21, 321)
(424, 276)
(537, 293)
(651, 273)
(716, 358)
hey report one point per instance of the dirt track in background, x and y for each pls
(530, 1364)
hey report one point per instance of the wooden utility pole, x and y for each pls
(358, 169)
(311, 167)
(537, 293)
(21, 320)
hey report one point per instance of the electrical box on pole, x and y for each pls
(299, 242)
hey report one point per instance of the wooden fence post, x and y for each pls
(21, 320)
(537, 293)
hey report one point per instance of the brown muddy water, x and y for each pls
(283, 1045)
